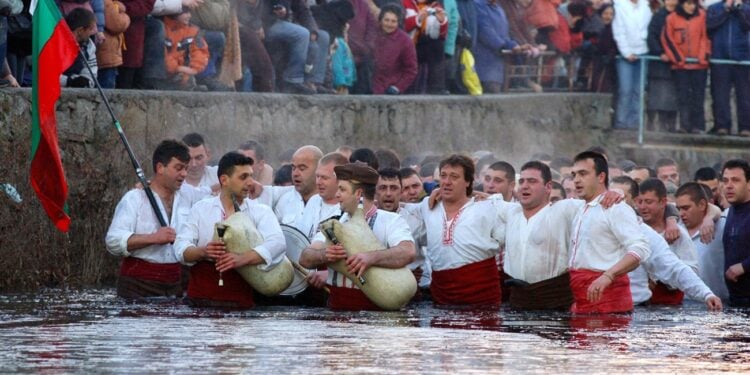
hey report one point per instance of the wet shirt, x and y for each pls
(134, 215)
(536, 249)
(665, 266)
(474, 234)
(198, 230)
(711, 260)
(737, 247)
(389, 228)
(600, 238)
(684, 248)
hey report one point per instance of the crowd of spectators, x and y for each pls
(412, 46)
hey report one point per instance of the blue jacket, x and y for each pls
(729, 31)
(492, 37)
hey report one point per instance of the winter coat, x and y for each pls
(519, 29)
(411, 12)
(630, 26)
(543, 13)
(603, 70)
(451, 12)
(493, 37)
(109, 53)
(728, 30)
(185, 46)
(137, 10)
(212, 15)
(685, 36)
(363, 29)
(395, 62)
(78, 75)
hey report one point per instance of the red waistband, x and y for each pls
(144, 270)
(204, 284)
(615, 299)
(473, 284)
(349, 299)
(662, 295)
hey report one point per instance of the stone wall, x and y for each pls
(33, 254)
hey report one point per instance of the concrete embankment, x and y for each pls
(33, 254)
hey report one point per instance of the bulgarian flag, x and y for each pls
(54, 49)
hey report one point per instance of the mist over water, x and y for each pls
(94, 331)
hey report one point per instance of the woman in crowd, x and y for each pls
(662, 96)
(395, 57)
(603, 70)
(427, 24)
(492, 39)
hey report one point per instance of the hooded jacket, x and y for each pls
(728, 29)
(685, 36)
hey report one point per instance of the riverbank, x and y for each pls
(33, 254)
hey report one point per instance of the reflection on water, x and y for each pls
(92, 330)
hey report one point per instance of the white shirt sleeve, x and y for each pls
(397, 231)
(123, 225)
(187, 235)
(619, 28)
(414, 213)
(274, 246)
(664, 266)
(624, 225)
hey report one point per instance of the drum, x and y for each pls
(296, 242)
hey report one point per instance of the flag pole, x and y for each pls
(124, 139)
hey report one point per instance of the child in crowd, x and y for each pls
(82, 23)
(683, 38)
(109, 53)
(186, 51)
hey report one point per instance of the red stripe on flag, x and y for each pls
(47, 176)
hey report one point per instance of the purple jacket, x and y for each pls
(395, 62)
(363, 29)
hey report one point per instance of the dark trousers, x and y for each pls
(363, 85)
(723, 77)
(431, 59)
(691, 86)
(255, 56)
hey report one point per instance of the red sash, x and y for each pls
(204, 285)
(615, 299)
(350, 299)
(473, 284)
(168, 273)
(662, 295)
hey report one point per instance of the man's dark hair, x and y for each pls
(632, 185)
(365, 155)
(168, 149)
(737, 164)
(541, 167)
(557, 186)
(653, 184)
(390, 174)
(230, 160)
(368, 190)
(193, 140)
(406, 172)
(388, 158)
(252, 145)
(80, 17)
(393, 9)
(283, 175)
(503, 166)
(664, 162)
(695, 190)
(600, 163)
(464, 162)
(705, 174)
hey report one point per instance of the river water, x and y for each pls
(85, 331)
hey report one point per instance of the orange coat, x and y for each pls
(183, 43)
(543, 13)
(109, 53)
(686, 37)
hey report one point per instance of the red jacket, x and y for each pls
(132, 57)
(685, 36)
